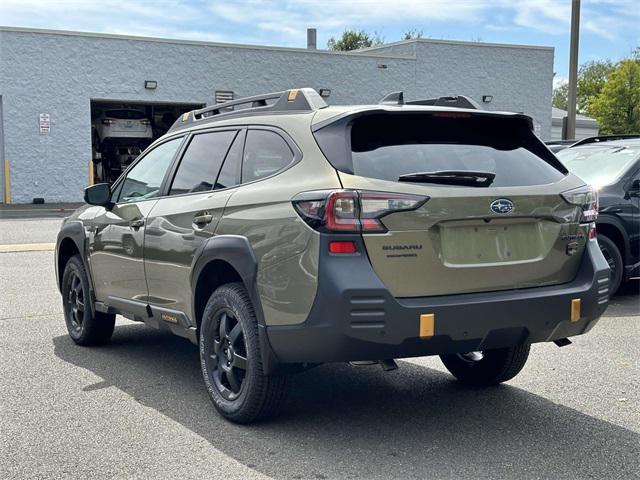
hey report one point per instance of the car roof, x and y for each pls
(629, 142)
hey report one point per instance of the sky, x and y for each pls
(609, 28)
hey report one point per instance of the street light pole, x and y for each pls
(570, 132)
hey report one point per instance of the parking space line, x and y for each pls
(27, 247)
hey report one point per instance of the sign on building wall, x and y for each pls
(45, 124)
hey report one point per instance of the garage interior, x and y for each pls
(114, 149)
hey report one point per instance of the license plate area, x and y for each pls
(472, 244)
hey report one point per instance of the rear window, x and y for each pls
(126, 114)
(387, 146)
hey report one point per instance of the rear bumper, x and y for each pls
(368, 323)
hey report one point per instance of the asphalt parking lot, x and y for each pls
(137, 408)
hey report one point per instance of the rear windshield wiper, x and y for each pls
(451, 177)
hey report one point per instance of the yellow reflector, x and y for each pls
(575, 309)
(427, 327)
(293, 93)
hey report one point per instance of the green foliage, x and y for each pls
(353, 40)
(560, 95)
(608, 92)
(591, 78)
(412, 34)
(617, 106)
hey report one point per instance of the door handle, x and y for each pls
(136, 224)
(203, 219)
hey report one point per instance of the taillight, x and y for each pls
(586, 198)
(108, 121)
(352, 211)
(592, 231)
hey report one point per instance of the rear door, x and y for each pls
(180, 222)
(511, 233)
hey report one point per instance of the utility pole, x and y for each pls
(570, 132)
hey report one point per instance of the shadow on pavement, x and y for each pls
(625, 303)
(350, 422)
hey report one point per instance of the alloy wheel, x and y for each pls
(75, 301)
(227, 355)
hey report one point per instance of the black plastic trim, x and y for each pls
(355, 317)
(237, 252)
(74, 230)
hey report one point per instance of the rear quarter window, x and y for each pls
(265, 154)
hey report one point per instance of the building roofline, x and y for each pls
(452, 42)
(201, 43)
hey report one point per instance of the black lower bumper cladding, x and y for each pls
(368, 323)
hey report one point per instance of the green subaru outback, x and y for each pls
(289, 233)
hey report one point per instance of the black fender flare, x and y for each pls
(612, 221)
(237, 252)
(74, 230)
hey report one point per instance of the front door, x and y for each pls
(117, 234)
(179, 223)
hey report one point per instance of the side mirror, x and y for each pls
(634, 189)
(99, 194)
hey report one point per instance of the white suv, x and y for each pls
(123, 123)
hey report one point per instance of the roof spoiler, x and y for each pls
(457, 101)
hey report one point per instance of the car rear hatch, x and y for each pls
(493, 215)
(128, 121)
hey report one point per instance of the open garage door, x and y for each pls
(121, 130)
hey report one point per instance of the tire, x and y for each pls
(83, 327)
(231, 361)
(491, 367)
(614, 258)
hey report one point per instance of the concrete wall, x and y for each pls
(520, 78)
(60, 73)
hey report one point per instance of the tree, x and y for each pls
(591, 78)
(560, 96)
(412, 34)
(353, 40)
(617, 106)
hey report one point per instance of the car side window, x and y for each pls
(265, 153)
(144, 180)
(201, 162)
(230, 172)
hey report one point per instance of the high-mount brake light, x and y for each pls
(352, 211)
(108, 121)
(585, 197)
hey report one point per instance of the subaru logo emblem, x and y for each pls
(502, 205)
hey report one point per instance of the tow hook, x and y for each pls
(387, 365)
(562, 342)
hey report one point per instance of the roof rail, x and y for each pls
(457, 101)
(605, 138)
(292, 100)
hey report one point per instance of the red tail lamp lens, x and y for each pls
(353, 211)
(592, 231)
(342, 247)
